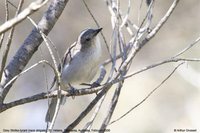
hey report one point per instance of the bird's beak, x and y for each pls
(96, 31)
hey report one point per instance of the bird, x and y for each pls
(79, 64)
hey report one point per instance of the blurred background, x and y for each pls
(175, 105)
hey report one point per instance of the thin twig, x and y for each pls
(143, 100)
(96, 22)
(9, 41)
(106, 62)
(88, 125)
(133, 51)
(28, 69)
(34, 6)
(124, 20)
(88, 91)
(6, 19)
(188, 47)
(45, 74)
(41, 96)
(163, 20)
(57, 74)
(153, 66)
(87, 110)
(148, 37)
(31, 44)
(112, 107)
(118, 36)
(54, 46)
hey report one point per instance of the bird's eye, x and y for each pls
(87, 39)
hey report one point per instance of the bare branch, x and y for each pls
(153, 66)
(188, 47)
(6, 19)
(31, 44)
(41, 96)
(162, 21)
(129, 111)
(112, 107)
(96, 22)
(104, 88)
(88, 125)
(138, 45)
(34, 6)
(120, 49)
(9, 41)
(88, 109)
(28, 69)
(57, 73)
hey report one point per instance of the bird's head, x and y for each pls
(87, 37)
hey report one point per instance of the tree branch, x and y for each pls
(31, 44)
(143, 100)
(87, 110)
(34, 6)
(9, 41)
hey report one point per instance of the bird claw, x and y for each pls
(72, 91)
(95, 84)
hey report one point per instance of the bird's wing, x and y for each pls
(67, 58)
(69, 54)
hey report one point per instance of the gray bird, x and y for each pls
(79, 65)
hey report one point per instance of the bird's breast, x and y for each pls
(82, 68)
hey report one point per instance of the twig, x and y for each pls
(28, 69)
(96, 22)
(153, 66)
(133, 50)
(46, 36)
(33, 98)
(131, 56)
(149, 36)
(31, 44)
(88, 109)
(124, 20)
(9, 41)
(6, 19)
(188, 47)
(45, 95)
(88, 125)
(114, 9)
(45, 74)
(40, 96)
(123, 52)
(162, 21)
(143, 100)
(112, 107)
(87, 91)
(57, 74)
(148, 2)
(34, 6)
(106, 62)
(128, 22)
(114, 49)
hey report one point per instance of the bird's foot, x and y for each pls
(72, 91)
(95, 84)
